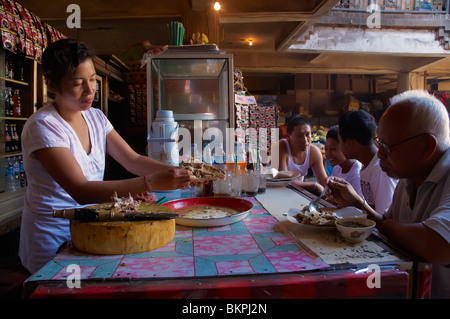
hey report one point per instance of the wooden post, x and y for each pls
(410, 81)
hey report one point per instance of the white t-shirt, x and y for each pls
(376, 186)
(42, 234)
(432, 207)
(352, 176)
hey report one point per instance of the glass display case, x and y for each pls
(196, 85)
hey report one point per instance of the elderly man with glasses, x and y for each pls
(413, 146)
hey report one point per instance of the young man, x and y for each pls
(296, 153)
(356, 133)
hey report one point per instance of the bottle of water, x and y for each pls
(9, 176)
(196, 154)
(16, 171)
(23, 177)
(241, 157)
(207, 157)
(219, 155)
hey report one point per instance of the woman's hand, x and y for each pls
(169, 179)
(343, 193)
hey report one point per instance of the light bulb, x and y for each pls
(250, 42)
(217, 6)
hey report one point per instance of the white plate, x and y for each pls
(211, 222)
(345, 212)
(243, 207)
(275, 183)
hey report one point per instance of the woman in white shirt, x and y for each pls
(64, 147)
(343, 167)
(296, 153)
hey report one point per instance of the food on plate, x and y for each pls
(204, 172)
(206, 212)
(325, 216)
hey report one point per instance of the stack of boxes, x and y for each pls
(256, 120)
(138, 93)
(138, 103)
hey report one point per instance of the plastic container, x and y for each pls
(219, 155)
(163, 139)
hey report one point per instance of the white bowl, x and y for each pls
(354, 233)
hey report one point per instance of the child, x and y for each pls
(347, 169)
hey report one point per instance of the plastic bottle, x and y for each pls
(9, 102)
(16, 171)
(208, 187)
(23, 177)
(13, 143)
(196, 154)
(242, 158)
(2, 101)
(15, 138)
(7, 139)
(219, 155)
(207, 156)
(9, 176)
(7, 69)
(17, 108)
(5, 97)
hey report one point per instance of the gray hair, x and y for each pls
(428, 114)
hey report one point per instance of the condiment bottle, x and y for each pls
(17, 108)
(7, 139)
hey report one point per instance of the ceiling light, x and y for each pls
(217, 6)
(250, 42)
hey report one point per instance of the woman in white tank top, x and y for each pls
(296, 153)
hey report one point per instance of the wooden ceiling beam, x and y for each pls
(256, 17)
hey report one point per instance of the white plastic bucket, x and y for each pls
(163, 138)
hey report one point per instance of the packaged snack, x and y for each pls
(29, 48)
(9, 41)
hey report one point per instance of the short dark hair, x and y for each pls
(296, 121)
(333, 132)
(358, 125)
(63, 56)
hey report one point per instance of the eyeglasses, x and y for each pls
(388, 148)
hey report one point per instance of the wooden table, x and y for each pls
(263, 256)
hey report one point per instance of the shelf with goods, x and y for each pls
(17, 76)
(23, 39)
(12, 175)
